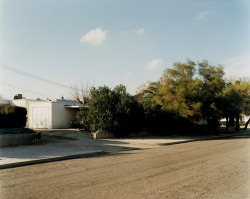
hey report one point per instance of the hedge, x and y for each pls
(13, 117)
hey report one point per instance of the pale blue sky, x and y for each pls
(112, 42)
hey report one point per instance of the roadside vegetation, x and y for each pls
(112, 110)
(12, 116)
(189, 97)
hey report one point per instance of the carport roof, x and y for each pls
(71, 106)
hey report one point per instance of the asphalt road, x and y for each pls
(202, 169)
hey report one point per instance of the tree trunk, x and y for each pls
(231, 121)
(247, 122)
(237, 125)
(227, 124)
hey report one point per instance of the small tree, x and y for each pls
(80, 93)
(112, 110)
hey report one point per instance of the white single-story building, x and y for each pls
(45, 114)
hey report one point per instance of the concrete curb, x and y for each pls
(205, 138)
(97, 153)
(60, 158)
(54, 159)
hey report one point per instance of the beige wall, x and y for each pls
(61, 116)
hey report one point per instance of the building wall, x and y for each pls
(23, 103)
(61, 116)
(4, 102)
(40, 114)
(19, 102)
(46, 114)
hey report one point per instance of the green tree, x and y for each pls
(154, 116)
(234, 102)
(149, 93)
(179, 89)
(112, 110)
(191, 91)
(212, 85)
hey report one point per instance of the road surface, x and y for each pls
(203, 169)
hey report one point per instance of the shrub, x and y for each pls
(112, 110)
(165, 122)
(82, 117)
(162, 121)
(12, 117)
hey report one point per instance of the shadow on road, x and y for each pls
(61, 144)
(233, 137)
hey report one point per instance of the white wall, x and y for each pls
(23, 103)
(47, 114)
(61, 116)
(20, 102)
(4, 102)
(40, 114)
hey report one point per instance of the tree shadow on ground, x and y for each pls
(60, 146)
(54, 146)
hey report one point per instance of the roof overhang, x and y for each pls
(72, 107)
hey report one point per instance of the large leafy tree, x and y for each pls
(246, 100)
(191, 90)
(212, 85)
(179, 90)
(149, 93)
(195, 91)
(153, 114)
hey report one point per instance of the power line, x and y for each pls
(23, 89)
(23, 73)
(5, 97)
